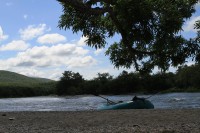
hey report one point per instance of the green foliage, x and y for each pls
(185, 80)
(103, 81)
(69, 83)
(188, 77)
(197, 40)
(25, 90)
(103, 77)
(127, 82)
(157, 82)
(148, 28)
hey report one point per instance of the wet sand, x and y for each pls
(113, 121)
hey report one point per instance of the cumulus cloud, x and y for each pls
(189, 26)
(53, 73)
(80, 61)
(82, 40)
(51, 39)
(33, 31)
(68, 55)
(2, 36)
(48, 61)
(16, 45)
(98, 51)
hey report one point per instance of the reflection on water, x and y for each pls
(77, 103)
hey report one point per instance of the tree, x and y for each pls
(188, 77)
(197, 26)
(149, 30)
(197, 39)
(103, 77)
(103, 81)
(69, 83)
(127, 82)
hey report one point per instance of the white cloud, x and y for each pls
(16, 45)
(53, 73)
(51, 39)
(189, 26)
(49, 61)
(2, 36)
(98, 51)
(80, 51)
(91, 72)
(55, 56)
(80, 62)
(82, 40)
(33, 31)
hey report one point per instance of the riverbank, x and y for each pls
(113, 121)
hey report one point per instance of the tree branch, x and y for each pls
(80, 6)
(84, 7)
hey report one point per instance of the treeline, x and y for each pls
(186, 79)
(27, 89)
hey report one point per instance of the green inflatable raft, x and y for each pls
(137, 103)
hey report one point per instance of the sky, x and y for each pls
(32, 44)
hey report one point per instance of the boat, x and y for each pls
(139, 103)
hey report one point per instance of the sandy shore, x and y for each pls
(114, 121)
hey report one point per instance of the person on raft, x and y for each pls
(135, 98)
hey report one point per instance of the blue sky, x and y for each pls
(33, 45)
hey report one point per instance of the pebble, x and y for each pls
(12, 118)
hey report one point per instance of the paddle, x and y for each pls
(153, 95)
(109, 101)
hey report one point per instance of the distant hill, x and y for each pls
(12, 77)
(17, 85)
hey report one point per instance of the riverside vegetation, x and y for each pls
(186, 79)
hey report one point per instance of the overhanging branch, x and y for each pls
(80, 6)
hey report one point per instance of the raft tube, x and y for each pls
(137, 104)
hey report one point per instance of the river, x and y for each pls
(87, 102)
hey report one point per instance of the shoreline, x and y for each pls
(110, 121)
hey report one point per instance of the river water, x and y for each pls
(85, 102)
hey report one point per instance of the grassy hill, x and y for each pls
(17, 85)
(12, 77)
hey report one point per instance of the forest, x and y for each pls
(186, 79)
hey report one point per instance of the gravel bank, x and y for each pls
(113, 121)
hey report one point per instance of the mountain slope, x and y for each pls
(12, 77)
(17, 85)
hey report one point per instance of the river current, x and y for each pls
(88, 102)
